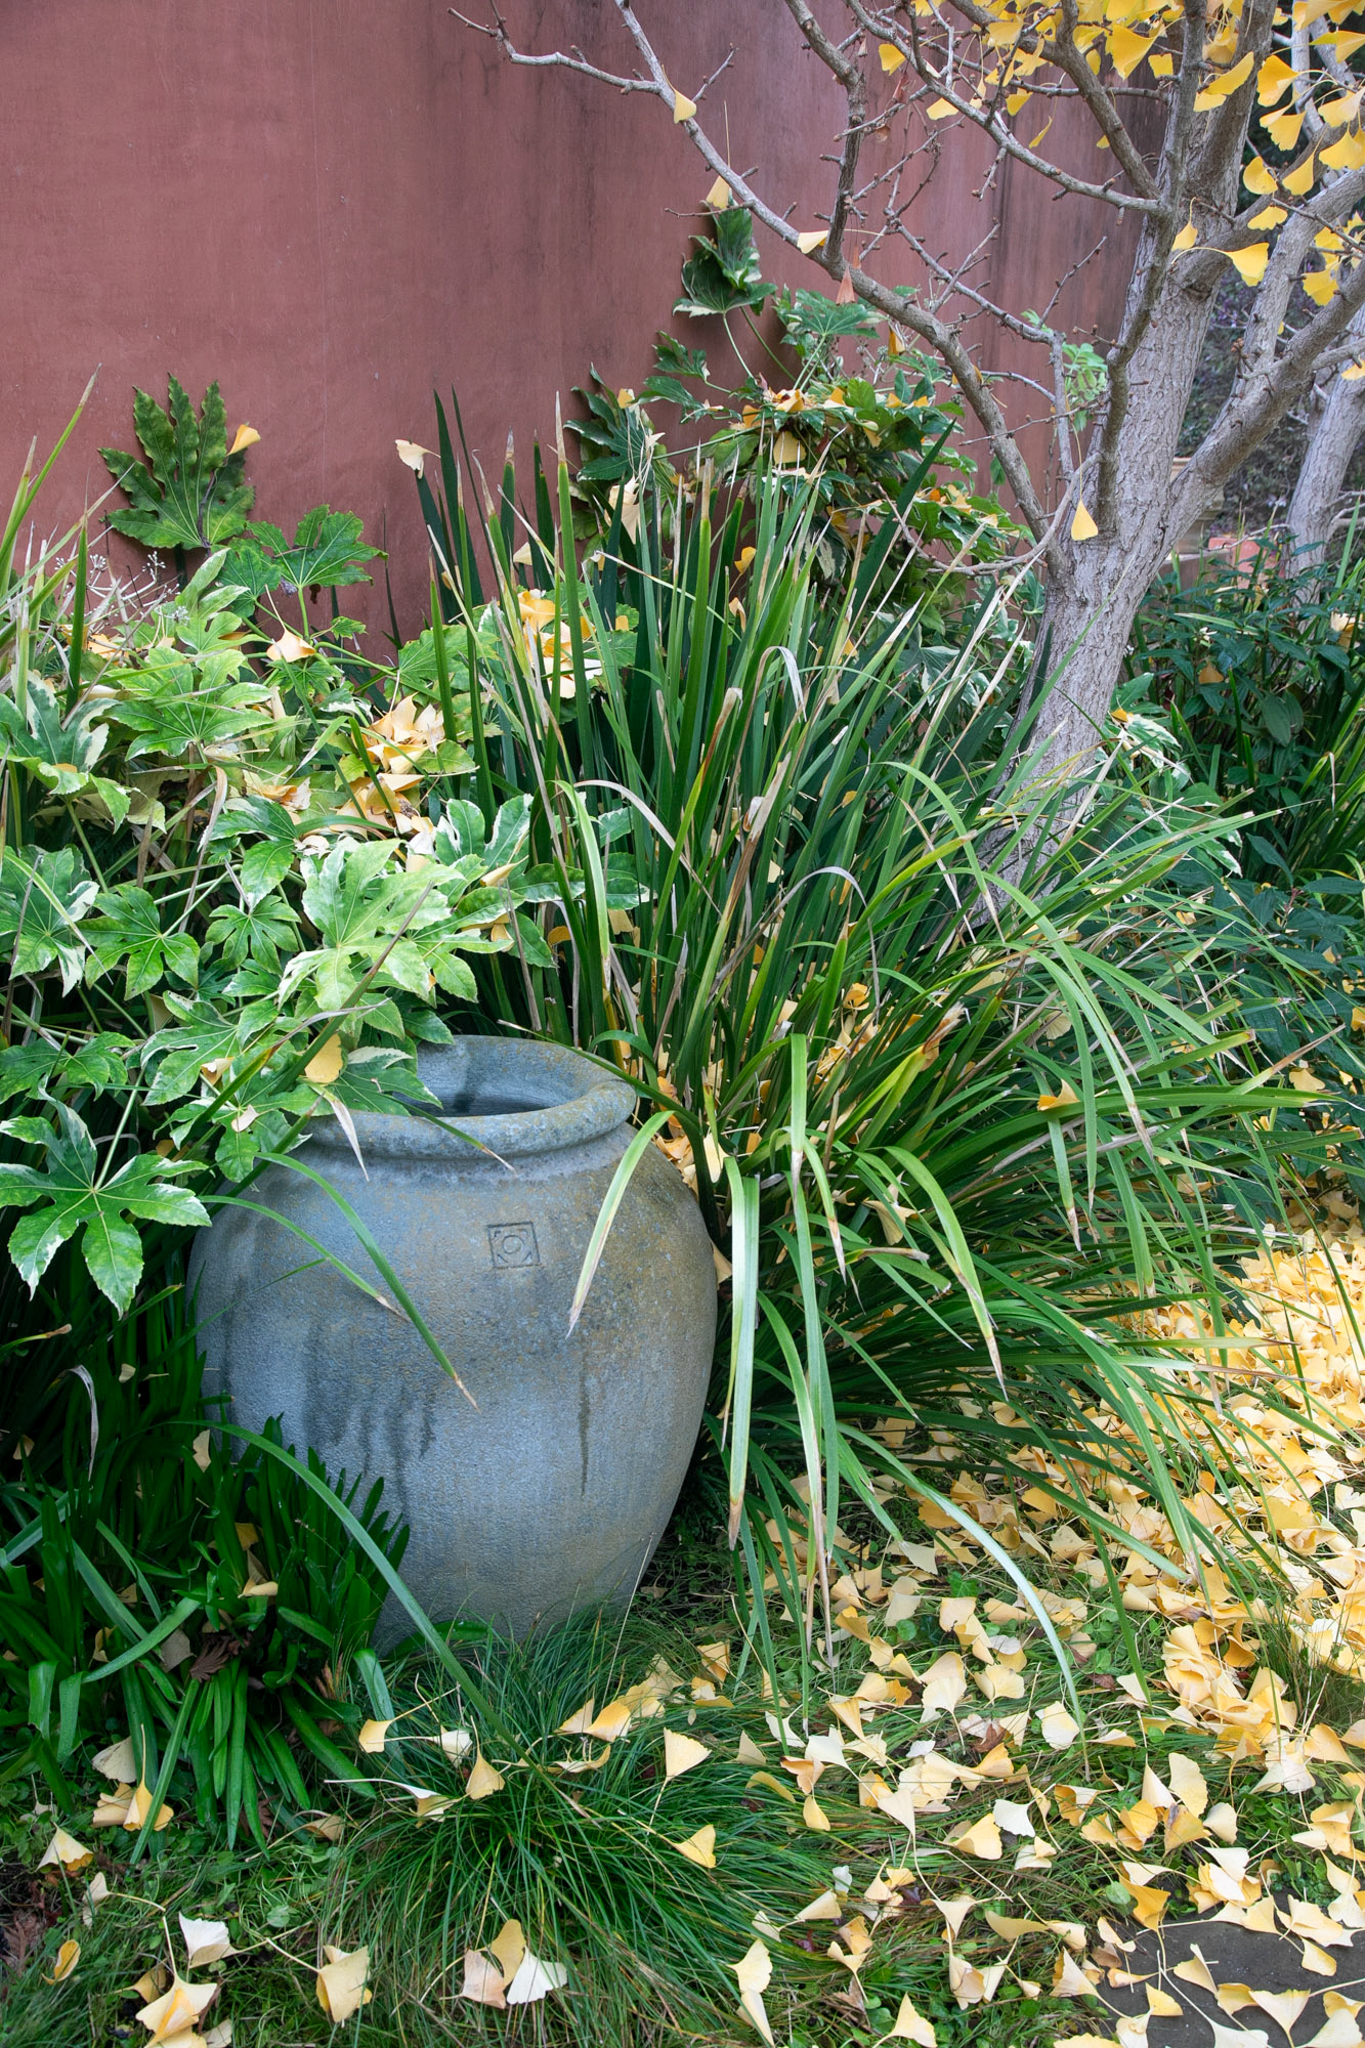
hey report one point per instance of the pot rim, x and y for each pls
(561, 1100)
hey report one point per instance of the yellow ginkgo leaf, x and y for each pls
(483, 1981)
(1187, 1782)
(1268, 217)
(140, 1806)
(1284, 129)
(1127, 49)
(1273, 80)
(891, 58)
(178, 2010)
(1250, 263)
(911, 2025)
(1221, 88)
(1258, 177)
(827, 1906)
(1065, 1098)
(1056, 1726)
(206, 1941)
(65, 1850)
(68, 1955)
(534, 1979)
(719, 195)
(245, 437)
(1299, 181)
(683, 107)
(1162, 65)
(754, 1970)
(1221, 1820)
(940, 110)
(372, 1735)
(1187, 237)
(414, 454)
(323, 1069)
(483, 1780)
(117, 1761)
(682, 1753)
(1336, 113)
(1083, 526)
(814, 1815)
(1149, 1904)
(981, 1839)
(613, 1720)
(1321, 286)
(289, 647)
(1161, 2005)
(700, 1848)
(811, 240)
(1015, 103)
(1347, 153)
(341, 1982)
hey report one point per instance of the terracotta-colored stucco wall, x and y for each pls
(334, 206)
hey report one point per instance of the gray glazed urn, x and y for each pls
(549, 1489)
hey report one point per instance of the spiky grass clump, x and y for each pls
(586, 1860)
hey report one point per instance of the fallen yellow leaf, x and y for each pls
(341, 1982)
(483, 1981)
(177, 2010)
(910, 2025)
(322, 1070)
(1065, 1098)
(483, 1780)
(68, 1955)
(700, 1847)
(206, 1941)
(754, 1970)
(67, 1851)
(1056, 1726)
(682, 1753)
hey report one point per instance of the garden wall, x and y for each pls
(334, 206)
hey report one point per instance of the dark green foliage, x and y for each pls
(190, 492)
(722, 273)
(1261, 672)
(327, 551)
(127, 1537)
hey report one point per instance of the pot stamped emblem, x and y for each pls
(512, 1245)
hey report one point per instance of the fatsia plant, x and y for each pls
(958, 1094)
(190, 491)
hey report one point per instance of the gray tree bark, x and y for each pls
(1092, 602)
(1317, 494)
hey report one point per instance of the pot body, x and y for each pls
(546, 1486)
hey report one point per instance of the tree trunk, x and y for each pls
(1332, 443)
(1091, 605)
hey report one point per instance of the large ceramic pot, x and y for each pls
(548, 1487)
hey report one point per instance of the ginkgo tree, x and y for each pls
(1227, 137)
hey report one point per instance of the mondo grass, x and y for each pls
(585, 1859)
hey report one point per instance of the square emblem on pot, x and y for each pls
(513, 1244)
